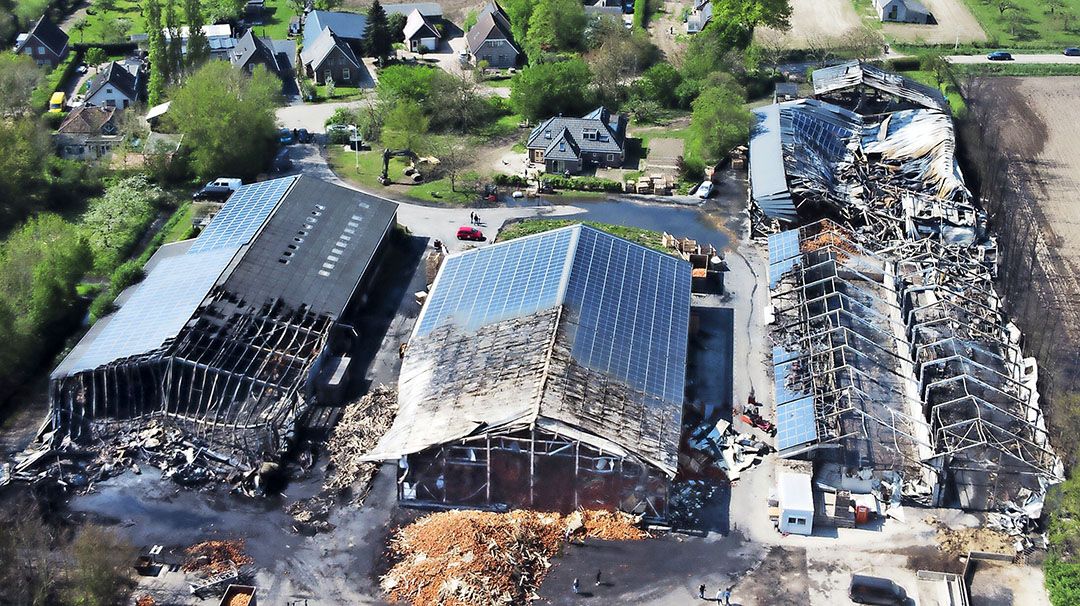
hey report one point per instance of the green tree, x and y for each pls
(95, 56)
(217, 11)
(101, 567)
(405, 126)
(719, 121)
(548, 89)
(114, 222)
(396, 24)
(519, 12)
(328, 5)
(227, 119)
(659, 84)
(80, 26)
(159, 64)
(25, 148)
(26, 568)
(413, 82)
(174, 51)
(555, 25)
(377, 40)
(470, 20)
(198, 47)
(19, 76)
(116, 30)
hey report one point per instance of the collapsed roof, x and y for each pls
(900, 352)
(574, 331)
(225, 330)
(852, 76)
(896, 173)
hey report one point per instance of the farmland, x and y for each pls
(1027, 23)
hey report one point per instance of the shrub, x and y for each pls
(510, 180)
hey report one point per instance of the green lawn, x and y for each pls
(528, 227)
(341, 93)
(101, 24)
(956, 101)
(343, 163)
(1028, 25)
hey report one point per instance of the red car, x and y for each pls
(470, 233)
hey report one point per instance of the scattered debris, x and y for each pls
(216, 556)
(477, 558)
(957, 542)
(362, 424)
(146, 600)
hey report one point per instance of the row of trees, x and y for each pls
(168, 65)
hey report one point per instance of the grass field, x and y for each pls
(101, 25)
(528, 227)
(343, 163)
(1028, 25)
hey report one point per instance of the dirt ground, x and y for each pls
(663, 156)
(668, 31)
(955, 24)
(1040, 122)
(816, 18)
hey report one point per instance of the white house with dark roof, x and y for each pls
(45, 43)
(114, 86)
(88, 133)
(329, 57)
(566, 145)
(699, 16)
(903, 11)
(421, 33)
(491, 40)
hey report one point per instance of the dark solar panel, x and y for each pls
(631, 307)
(795, 424)
(243, 215)
(494, 283)
(783, 254)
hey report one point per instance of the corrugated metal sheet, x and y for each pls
(855, 73)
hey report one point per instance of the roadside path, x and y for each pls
(1047, 59)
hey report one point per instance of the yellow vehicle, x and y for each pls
(56, 102)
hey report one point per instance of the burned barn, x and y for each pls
(546, 372)
(228, 332)
(896, 360)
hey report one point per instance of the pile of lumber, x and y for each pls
(209, 557)
(478, 558)
(362, 424)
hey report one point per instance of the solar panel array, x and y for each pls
(495, 283)
(159, 307)
(783, 254)
(828, 138)
(243, 215)
(627, 307)
(631, 309)
(795, 419)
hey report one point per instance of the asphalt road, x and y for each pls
(1044, 59)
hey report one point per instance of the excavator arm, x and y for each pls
(384, 178)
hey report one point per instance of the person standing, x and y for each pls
(701, 591)
(598, 573)
(727, 597)
(577, 586)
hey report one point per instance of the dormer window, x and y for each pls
(547, 134)
(590, 135)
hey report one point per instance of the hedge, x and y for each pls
(39, 99)
(583, 183)
(511, 180)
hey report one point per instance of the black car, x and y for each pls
(1072, 51)
(1000, 56)
(217, 193)
(875, 590)
(303, 136)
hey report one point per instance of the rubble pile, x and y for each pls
(362, 424)
(960, 542)
(211, 557)
(310, 515)
(146, 600)
(478, 558)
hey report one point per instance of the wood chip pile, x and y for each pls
(146, 600)
(362, 424)
(216, 556)
(961, 541)
(240, 599)
(477, 558)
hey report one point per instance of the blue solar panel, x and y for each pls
(783, 254)
(795, 424)
(494, 283)
(243, 215)
(160, 306)
(631, 309)
(627, 308)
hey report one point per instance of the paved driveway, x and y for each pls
(310, 116)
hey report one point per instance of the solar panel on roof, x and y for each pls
(491, 284)
(624, 299)
(783, 254)
(242, 216)
(160, 306)
(795, 425)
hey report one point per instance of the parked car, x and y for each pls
(282, 161)
(1072, 51)
(285, 137)
(704, 190)
(338, 134)
(303, 136)
(876, 590)
(56, 102)
(81, 69)
(1000, 56)
(218, 190)
(470, 233)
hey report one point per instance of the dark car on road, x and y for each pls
(1000, 56)
(285, 137)
(1072, 51)
(303, 136)
(875, 590)
(470, 233)
(213, 191)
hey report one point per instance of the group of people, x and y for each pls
(723, 595)
(474, 218)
